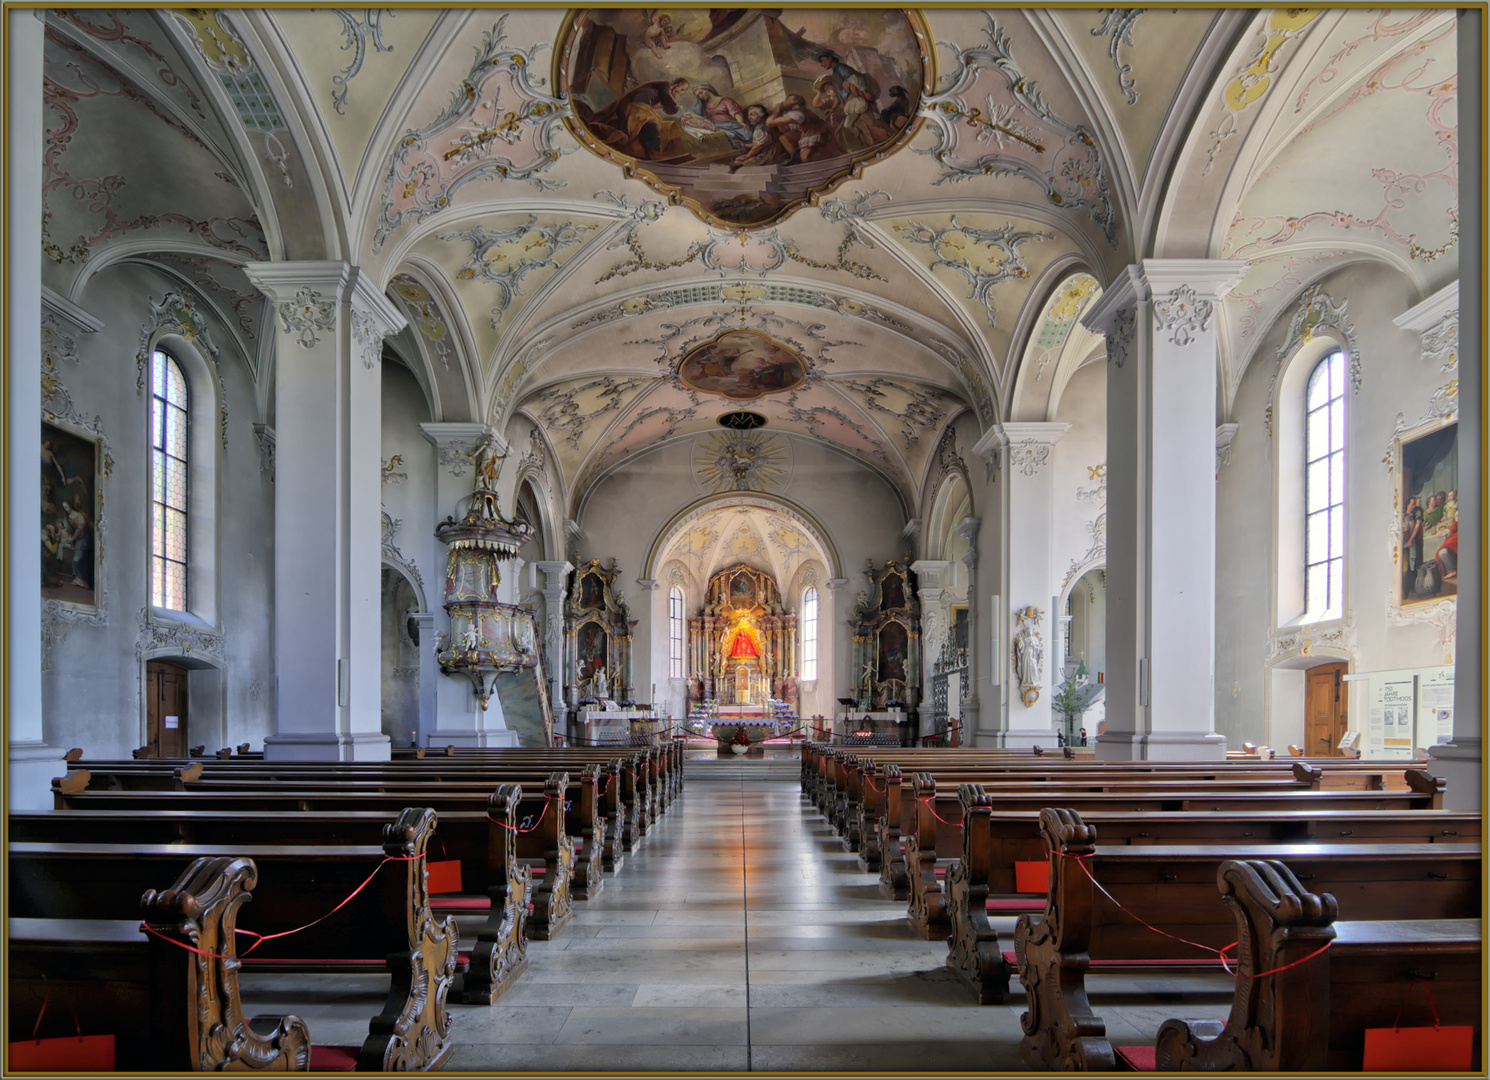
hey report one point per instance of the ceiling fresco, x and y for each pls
(580, 240)
(743, 114)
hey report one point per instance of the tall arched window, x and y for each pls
(675, 632)
(809, 634)
(1324, 489)
(168, 470)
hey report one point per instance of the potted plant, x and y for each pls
(1071, 700)
(739, 742)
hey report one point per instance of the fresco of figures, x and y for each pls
(743, 113)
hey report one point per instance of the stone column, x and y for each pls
(31, 762)
(1029, 508)
(931, 579)
(1159, 318)
(459, 718)
(831, 656)
(330, 321)
(555, 585)
(967, 528)
(429, 673)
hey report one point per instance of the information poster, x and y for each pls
(1406, 709)
(1436, 706)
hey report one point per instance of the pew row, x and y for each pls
(1297, 1008)
(1171, 888)
(168, 1009)
(537, 824)
(983, 883)
(385, 923)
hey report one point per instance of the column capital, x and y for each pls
(306, 293)
(1047, 433)
(650, 584)
(1225, 433)
(555, 567)
(1029, 444)
(1208, 279)
(834, 584)
(1420, 318)
(932, 572)
(457, 443)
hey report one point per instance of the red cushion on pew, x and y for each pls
(332, 1058)
(460, 903)
(1013, 905)
(1137, 1058)
(463, 956)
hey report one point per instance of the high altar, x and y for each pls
(742, 649)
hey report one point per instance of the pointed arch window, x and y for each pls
(1324, 489)
(809, 634)
(675, 632)
(168, 476)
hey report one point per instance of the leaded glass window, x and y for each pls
(1324, 489)
(168, 410)
(809, 634)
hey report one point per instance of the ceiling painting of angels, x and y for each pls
(743, 114)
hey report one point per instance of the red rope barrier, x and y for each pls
(516, 828)
(259, 939)
(956, 824)
(1220, 953)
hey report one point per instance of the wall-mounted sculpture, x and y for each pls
(887, 639)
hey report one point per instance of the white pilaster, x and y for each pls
(32, 763)
(1029, 509)
(555, 587)
(330, 321)
(459, 718)
(968, 703)
(1161, 327)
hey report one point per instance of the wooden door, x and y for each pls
(1325, 720)
(165, 714)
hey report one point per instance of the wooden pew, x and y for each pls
(541, 838)
(931, 818)
(1296, 1009)
(483, 842)
(1171, 887)
(169, 1010)
(596, 807)
(981, 883)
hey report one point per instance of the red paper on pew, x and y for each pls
(1419, 1049)
(1033, 877)
(443, 876)
(71, 1053)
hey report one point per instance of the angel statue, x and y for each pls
(488, 463)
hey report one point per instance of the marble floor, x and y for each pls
(740, 936)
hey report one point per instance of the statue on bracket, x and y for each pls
(887, 639)
(597, 635)
(1029, 654)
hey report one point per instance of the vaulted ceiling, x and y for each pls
(942, 270)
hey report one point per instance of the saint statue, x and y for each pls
(602, 684)
(1029, 654)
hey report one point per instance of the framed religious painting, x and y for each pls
(71, 500)
(1426, 540)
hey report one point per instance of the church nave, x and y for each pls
(739, 937)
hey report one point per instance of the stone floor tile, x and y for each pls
(655, 1026)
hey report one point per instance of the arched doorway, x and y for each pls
(400, 646)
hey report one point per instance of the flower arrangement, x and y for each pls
(741, 737)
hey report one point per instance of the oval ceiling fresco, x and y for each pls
(743, 114)
(742, 364)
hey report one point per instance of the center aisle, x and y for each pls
(739, 936)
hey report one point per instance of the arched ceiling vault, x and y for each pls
(469, 160)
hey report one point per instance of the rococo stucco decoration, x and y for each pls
(499, 124)
(743, 114)
(1317, 312)
(1183, 314)
(1012, 132)
(740, 461)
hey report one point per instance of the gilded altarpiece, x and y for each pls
(887, 639)
(742, 648)
(597, 636)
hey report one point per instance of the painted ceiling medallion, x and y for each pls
(743, 114)
(742, 365)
